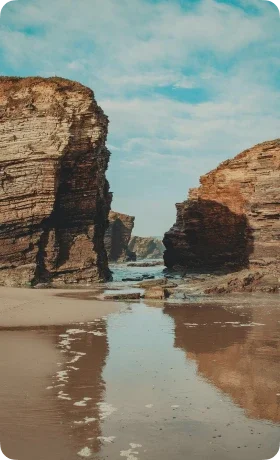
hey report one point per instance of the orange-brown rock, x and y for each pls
(117, 237)
(54, 196)
(233, 218)
(156, 292)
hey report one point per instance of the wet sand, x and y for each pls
(43, 307)
(196, 381)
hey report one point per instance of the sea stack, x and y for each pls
(54, 196)
(233, 219)
(117, 237)
(146, 247)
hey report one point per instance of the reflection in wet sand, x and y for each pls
(196, 382)
(63, 419)
(30, 426)
(78, 384)
(238, 350)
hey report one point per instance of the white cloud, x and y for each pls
(139, 57)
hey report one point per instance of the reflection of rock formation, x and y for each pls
(79, 399)
(146, 247)
(117, 237)
(54, 194)
(232, 219)
(242, 361)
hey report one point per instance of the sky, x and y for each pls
(186, 84)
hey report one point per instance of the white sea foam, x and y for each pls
(75, 331)
(74, 360)
(80, 403)
(106, 410)
(131, 453)
(85, 452)
(65, 396)
(85, 421)
(98, 333)
(108, 439)
(62, 376)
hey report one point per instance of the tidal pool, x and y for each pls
(155, 383)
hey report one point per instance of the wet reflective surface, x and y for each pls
(172, 382)
(122, 270)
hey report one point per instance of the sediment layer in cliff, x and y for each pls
(233, 219)
(146, 247)
(54, 196)
(117, 237)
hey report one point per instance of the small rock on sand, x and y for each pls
(123, 296)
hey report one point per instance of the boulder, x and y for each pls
(123, 296)
(156, 292)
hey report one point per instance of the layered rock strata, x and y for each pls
(146, 247)
(117, 237)
(233, 219)
(54, 196)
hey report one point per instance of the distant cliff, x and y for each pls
(146, 247)
(117, 237)
(54, 196)
(233, 219)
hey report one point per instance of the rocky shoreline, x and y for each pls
(56, 225)
(182, 287)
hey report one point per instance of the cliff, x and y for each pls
(232, 219)
(117, 237)
(54, 196)
(146, 248)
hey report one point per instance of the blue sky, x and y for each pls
(186, 84)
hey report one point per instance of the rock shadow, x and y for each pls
(208, 236)
(116, 242)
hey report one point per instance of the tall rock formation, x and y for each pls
(233, 219)
(146, 247)
(54, 196)
(117, 237)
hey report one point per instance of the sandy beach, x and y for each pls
(71, 367)
(50, 307)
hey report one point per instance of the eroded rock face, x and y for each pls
(146, 247)
(233, 219)
(54, 196)
(117, 237)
